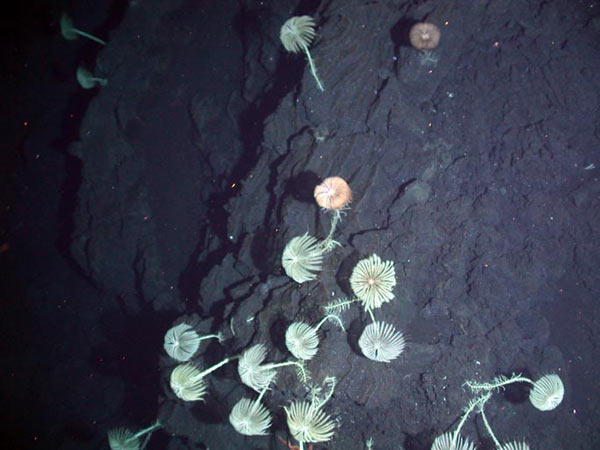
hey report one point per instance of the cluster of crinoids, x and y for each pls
(546, 394)
(372, 282)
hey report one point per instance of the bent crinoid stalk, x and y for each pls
(546, 393)
(257, 375)
(453, 440)
(188, 381)
(123, 439)
(296, 35)
(514, 445)
(69, 32)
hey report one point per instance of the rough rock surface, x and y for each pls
(471, 168)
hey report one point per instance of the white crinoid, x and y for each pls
(302, 258)
(547, 392)
(301, 340)
(188, 383)
(381, 342)
(308, 423)
(373, 281)
(69, 32)
(122, 439)
(297, 33)
(450, 441)
(251, 370)
(515, 445)
(250, 417)
(182, 341)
